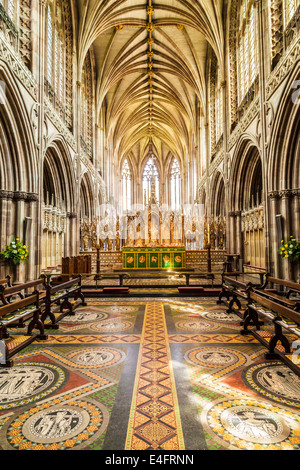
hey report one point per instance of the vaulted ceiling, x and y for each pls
(151, 61)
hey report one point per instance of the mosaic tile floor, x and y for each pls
(148, 375)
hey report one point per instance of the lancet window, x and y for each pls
(86, 134)
(150, 181)
(246, 49)
(219, 106)
(175, 185)
(126, 186)
(15, 17)
(58, 65)
(291, 7)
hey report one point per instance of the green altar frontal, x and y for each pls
(154, 258)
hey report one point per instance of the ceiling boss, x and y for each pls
(150, 55)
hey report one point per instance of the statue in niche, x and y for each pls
(220, 236)
(212, 236)
(172, 240)
(165, 229)
(205, 239)
(94, 239)
(85, 241)
(101, 244)
(118, 241)
(130, 231)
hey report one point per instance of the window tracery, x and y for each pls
(87, 107)
(284, 22)
(246, 49)
(175, 185)
(126, 186)
(150, 181)
(58, 66)
(219, 106)
(17, 16)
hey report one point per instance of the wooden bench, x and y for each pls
(196, 275)
(6, 293)
(279, 295)
(116, 290)
(107, 275)
(234, 287)
(13, 313)
(282, 318)
(6, 281)
(59, 292)
(251, 269)
(193, 290)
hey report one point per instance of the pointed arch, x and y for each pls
(150, 179)
(126, 184)
(175, 189)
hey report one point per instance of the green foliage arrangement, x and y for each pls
(290, 249)
(15, 251)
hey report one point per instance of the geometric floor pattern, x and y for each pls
(163, 375)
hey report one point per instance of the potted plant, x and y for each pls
(290, 249)
(15, 252)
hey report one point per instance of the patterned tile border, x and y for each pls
(154, 421)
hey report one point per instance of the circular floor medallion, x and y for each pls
(56, 424)
(119, 309)
(220, 316)
(255, 425)
(243, 423)
(113, 326)
(61, 427)
(187, 309)
(97, 357)
(196, 325)
(276, 381)
(214, 357)
(27, 382)
(85, 315)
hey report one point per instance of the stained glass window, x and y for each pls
(246, 51)
(11, 9)
(126, 185)
(49, 45)
(219, 106)
(175, 189)
(290, 9)
(58, 58)
(150, 180)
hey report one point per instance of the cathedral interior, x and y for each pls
(150, 225)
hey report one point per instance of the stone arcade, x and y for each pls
(149, 226)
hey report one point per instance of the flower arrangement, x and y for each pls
(15, 251)
(290, 249)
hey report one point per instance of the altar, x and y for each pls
(154, 257)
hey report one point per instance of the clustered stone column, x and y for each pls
(285, 209)
(18, 218)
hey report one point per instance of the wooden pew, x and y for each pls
(6, 281)
(6, 293)
(77, 265)
(59, 292)
(282, 296)
(196, 275)
(282, 318)
(251, 269)
(112, 275)
(20, 310)
(234, 287)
